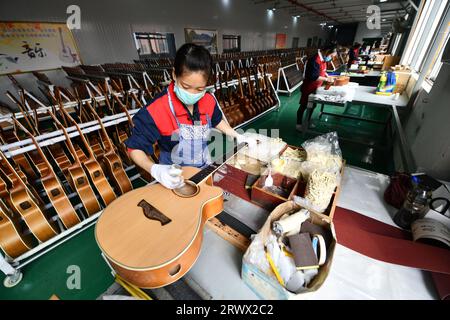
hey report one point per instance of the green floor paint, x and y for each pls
(48, 274)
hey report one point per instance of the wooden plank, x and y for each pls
(229, 234)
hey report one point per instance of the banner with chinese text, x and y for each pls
(34, 46)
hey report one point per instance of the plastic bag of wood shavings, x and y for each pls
(323, 153)
(320, 188)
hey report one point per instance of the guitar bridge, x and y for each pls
(152, 213)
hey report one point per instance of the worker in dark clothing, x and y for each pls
(315, 75)
(353, 54)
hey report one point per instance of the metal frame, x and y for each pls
(281, 72)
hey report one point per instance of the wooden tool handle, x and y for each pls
(153, 214)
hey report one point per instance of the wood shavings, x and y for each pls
(320, 188)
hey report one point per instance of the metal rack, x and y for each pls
(12, 267)
(235, 82)
(282, 77)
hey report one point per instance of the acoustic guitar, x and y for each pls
(13, 240)
(251, 94)
(113, 164)
(152, 236)
(23, 202)
(53, 187)
(92, 168)
(78, 179)
(244, 101)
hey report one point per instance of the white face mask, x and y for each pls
(186, 97)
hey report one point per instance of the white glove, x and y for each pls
(169, 176)
(251, 142)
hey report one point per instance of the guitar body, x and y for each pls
(116, 172)
(95, 172)
(81, 184)
(12, 241)
(153, 251)
(35, 219)
(60, 201)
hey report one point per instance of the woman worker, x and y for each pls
(180, 120)
(315, 75)
(353, 54)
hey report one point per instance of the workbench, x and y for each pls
(352, 275)
(365, 95)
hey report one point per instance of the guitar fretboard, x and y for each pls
(206, 172)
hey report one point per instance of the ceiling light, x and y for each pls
(383, 0)
(384, 19)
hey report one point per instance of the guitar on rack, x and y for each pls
(77, 177)
(52, 186)
(90, 164)
(251, 93)
(159, 238)
(234, 105)
(270, 92)
(113, 164)
(244, 101)
(8, 137)
(225, 107)
(265, 89)
(24, 203)
(13, 240)
(258, 92)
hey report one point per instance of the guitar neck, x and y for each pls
(209, 170)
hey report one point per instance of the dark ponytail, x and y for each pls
(193, 58)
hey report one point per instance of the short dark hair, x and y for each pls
(193, 58)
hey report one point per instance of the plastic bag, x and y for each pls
(325, 144)
(321, 171)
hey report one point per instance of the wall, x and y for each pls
(107, 26)
(363, 32)
(427, 127)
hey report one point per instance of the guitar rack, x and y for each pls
(12, 267)
(235, 82)
(283, 84)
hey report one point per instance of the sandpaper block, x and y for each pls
(308, 227)
(302, 249)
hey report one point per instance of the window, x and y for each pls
(397, 39)
(151, 43)
(430, 35)
(231, 43)
(423, 33)
(436, 63)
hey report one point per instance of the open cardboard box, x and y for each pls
(262, 280)
(238, 177)
(269, 198)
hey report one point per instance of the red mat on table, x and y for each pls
(387, 243)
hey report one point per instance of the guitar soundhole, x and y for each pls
(175, 270)
(55, 192)
(190, 189)
(1, 219)
(25, 205)
(97, 174)
(116, 166)
(80, 181)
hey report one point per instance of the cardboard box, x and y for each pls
(390, 61)
(263, 282)
(269, 199)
